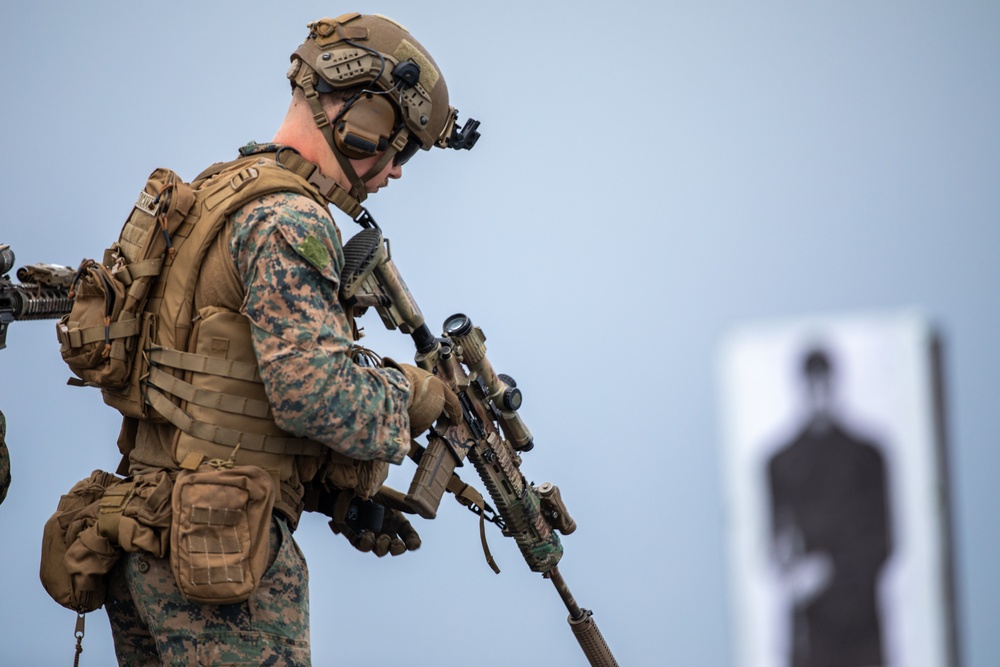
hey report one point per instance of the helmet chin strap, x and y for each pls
(358, 192)
(387, 156)
(358, 189)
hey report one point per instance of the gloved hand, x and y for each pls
(430, 397)
(373, 525)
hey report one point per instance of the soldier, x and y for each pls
(293, 396)
(4, 459)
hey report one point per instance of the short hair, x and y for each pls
(340, 95)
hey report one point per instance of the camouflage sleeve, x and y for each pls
(289, 256)
(4, 459)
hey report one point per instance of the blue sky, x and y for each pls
(649, 176)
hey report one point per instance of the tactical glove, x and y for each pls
(430, 397)
(373, 525)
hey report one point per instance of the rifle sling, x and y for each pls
(468, 496)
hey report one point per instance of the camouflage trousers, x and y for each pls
(153, 624)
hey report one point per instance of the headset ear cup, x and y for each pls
(366, 127)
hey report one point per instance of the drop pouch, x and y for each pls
(220, 535)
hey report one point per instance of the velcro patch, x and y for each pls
(428, 73)
(313, 250)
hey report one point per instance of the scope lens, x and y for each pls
(6, 260)
(457, 325)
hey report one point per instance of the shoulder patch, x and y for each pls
(313, 250)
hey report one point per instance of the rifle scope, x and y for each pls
(501, 390)
(6, 260)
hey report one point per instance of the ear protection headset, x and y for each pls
(364, 126)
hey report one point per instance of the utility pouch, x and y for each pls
(104, 331)
(220, 536)
(75, 557)
(91, 333)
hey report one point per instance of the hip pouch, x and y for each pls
(220, 536)
(75, 557)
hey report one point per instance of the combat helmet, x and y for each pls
(400, 100)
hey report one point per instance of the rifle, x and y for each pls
(491, 433)
(42, 294)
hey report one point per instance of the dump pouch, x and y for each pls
(75, 558)
(220, 536)
(99, 518)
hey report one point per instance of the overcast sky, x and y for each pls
(649, 176)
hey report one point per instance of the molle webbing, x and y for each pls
(113, 331)
(237, 405)
(162, 384)
(227, 437)
(111, 507)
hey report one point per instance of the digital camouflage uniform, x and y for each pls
(286, 252)
(4, 459)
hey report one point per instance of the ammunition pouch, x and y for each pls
(219, 540)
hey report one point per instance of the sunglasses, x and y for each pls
(408, 151)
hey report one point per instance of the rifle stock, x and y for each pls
(491, 434)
